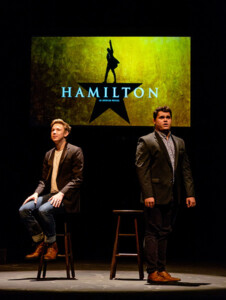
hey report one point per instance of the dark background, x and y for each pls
(110, 178)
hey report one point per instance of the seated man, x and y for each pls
(59, 186)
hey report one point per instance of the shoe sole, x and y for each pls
(49, 259)
(32, 258)
(157, 282)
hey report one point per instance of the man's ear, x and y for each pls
(66, 133)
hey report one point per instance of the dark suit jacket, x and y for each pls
(155, 170)
(69, 177)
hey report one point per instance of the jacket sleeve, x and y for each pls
(143, 159)
(77, 172)
(45, 174)
(187, 176)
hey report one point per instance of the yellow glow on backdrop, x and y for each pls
(161, 64)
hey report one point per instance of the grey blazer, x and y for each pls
(155, 172)
(69, 177)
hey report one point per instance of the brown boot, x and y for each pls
(37, 253)
(156, 278)
(52, 251)
(168, 277)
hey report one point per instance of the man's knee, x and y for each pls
(45, 209)
(23, 211)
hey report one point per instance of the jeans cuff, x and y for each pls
(38, 237)
(50, 239)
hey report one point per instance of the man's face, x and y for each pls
(58, 133)
(163, 121)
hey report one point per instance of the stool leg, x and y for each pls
(71, 256)
(66, 251)
(41, 264)
(139, 260)
(40, 268)
(114, 260)
(44, 269)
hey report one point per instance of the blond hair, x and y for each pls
(67, 127)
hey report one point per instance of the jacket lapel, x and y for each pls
(51, 157)
(64, 154)
(50, 162)
(175, 141)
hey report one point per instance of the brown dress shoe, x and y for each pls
(156, 278)
(52, 251)
(37, 253)
(167, 276)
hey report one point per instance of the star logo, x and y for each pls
(110, 95)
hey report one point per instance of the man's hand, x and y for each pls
(190, 201)
(149, 202)
(32, 197)
(56, 199)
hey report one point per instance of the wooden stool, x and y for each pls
(69, 261)
(134, 214)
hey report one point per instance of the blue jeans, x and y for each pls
(39, 218)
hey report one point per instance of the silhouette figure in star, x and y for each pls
(112, 63)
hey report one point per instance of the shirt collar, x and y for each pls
(162, 134)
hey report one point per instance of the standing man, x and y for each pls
(162, 167)
(57, 192)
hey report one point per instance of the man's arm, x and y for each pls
(77, 172)
(188, 181)
(45, 175)
(111, 46)
(143, 171)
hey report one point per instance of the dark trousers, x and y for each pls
(159, 222)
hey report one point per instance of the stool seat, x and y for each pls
(116, 254)
(127, 212)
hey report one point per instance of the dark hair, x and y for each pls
(162, 108)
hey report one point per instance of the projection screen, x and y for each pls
(109, 81)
